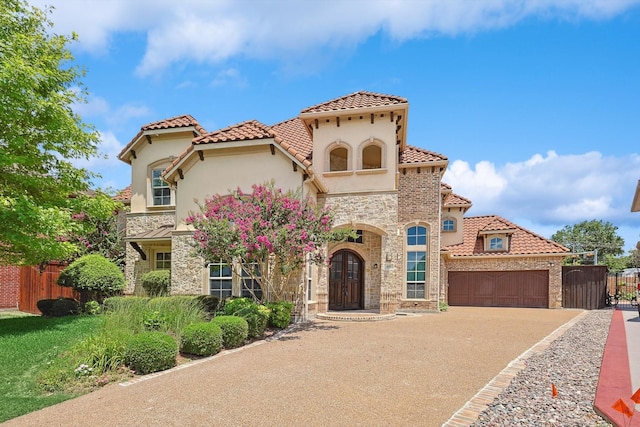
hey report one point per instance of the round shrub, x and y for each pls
(235, 304)
(210, 304)
(92, 308)
(65, 307)
(257, 317)
(280, 316)
(94, 274)
(149, 352)
(201, 339)
(45, 305)
(234, 330)
(157, 283)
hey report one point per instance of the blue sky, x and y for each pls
(536, 103)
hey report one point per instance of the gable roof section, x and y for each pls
(523, 241)
(178, 122)
(294, 132)
(414, 156)
(452, 200)
(354, 101)
(244, 131)
(248, 131)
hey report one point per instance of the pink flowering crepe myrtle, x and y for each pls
(267, 228)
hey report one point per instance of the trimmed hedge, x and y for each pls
(257, 317)
(156, 283)
(201, 339)
(95, 274)
(234, 304)
(149, 352)
(45, 305)
(235, 330)
(65, 307)
(280, 316)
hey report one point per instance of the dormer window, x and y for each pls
(496, 244)
(160, 190)
(338, 159)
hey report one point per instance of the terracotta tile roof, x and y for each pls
(172, 123)
(356, 100)
(522, 241)
(294, 132)
(445, 187)
(453, 199)
(245, 131)
(291, 135)
(123, 195)
(417, 155)
(175, 122)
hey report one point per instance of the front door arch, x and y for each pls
(346, 281)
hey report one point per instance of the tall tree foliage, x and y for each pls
(268, 233)
(40, 189)
(588, 236)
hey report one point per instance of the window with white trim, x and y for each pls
(496, 244)
(250, 284)
(163, 260)
(309, 277)
(160, 190)
(416, 265)
(220, 280)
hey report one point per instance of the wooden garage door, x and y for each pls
(499, 288)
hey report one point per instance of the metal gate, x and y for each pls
(623, 289)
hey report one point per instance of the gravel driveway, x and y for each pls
(414, 370)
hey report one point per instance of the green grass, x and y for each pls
(27, 346)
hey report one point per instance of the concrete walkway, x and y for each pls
(414, 370)
(620, 371)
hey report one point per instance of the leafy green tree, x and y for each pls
(40, 135)
(589, 236)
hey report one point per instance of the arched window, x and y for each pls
(372, 157)
(416, 266)
(449, 224)
(338, 159)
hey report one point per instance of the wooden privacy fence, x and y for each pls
(584, 286)
(36, 285)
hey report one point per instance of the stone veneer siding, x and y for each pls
(551, 263)
(377, 214)
(419, 203)
(188, 272)
(135, 266)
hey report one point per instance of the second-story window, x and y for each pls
(372, 157)
(160, 189)
(338, 159)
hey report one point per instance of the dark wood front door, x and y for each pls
(346, 284)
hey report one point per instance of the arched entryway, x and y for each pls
(346, 281)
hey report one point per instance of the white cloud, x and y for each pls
(547, 192)
(108, 149)
(212, 32)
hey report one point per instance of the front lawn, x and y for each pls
(27, 345)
